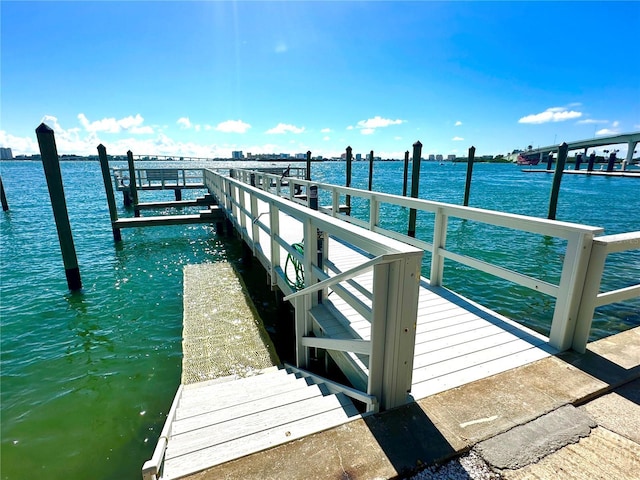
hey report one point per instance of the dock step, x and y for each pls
(217, 422)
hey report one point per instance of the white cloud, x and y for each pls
(233, 126)
(350, 127)
(326, 130)
(184, 122)
(281, 47)
(457, 139)
(285, 128)
(367, 131)
(326, 138)
(111, 125)
(397, 138)
(607, 131)
(458, 123)
(590, 121)
(554, 114)
(615, 124)
(378, 122)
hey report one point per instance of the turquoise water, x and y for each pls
(87, 377)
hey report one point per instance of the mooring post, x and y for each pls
(371, 170)
(178, 194)
(578, 161)
(133, 185)
(612, 161)
(467, 186)
(415, 183)
(550, 161)
(406, 172)
(51, 165)
(308, 175)
(348, 180)
(557, 177)
(592, 160)
(3, 197)
(108, 188)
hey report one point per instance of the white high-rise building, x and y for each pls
(6, 154)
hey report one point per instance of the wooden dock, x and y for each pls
(396, 336)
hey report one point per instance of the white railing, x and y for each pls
(151, 468)
(389, 305)
(565, 332)
(156, 178)
(592, 297)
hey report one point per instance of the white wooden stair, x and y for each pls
(216, 422)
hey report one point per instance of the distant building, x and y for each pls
(359, 157)
(451, 158)
(438, 158)
(301, 156)
(6, 154)
(237, 155)
(432, 157)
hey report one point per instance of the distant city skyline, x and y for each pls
(206, 78)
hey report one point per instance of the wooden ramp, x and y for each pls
(218, 421)
(457, 340)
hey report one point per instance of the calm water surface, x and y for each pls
(87, 377)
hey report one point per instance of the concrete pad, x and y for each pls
(618, 411)
(490, 406)
(602, 455)
(623, 349)
(529, 443)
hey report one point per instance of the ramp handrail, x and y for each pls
(567, 292)
(591, 296)
(390, 307)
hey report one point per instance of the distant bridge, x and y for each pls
(631, 139)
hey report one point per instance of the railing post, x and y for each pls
(302, 329)
(51, 165)
(255, 229)
(415, 186)
(572, 280)
(393, 329)
(467, 186)
(108, 188)
(374, 212)
(308, 172)
(439, 241)
(274, 227)
(133, 188)
(590, 292)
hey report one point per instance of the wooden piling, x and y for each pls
(3, 197)
(308, 175)
(51, 165)
(348, 179)
(592, 160)
(578, 161)
(108, 188)
(415, 183)
(557, 177)
(550, 161)
(612, 161)
(371, 170)
(467, 186)
(133, 186)
(406, 172)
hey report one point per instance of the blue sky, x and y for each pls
(203, 78)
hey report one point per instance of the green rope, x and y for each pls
(298, 282)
